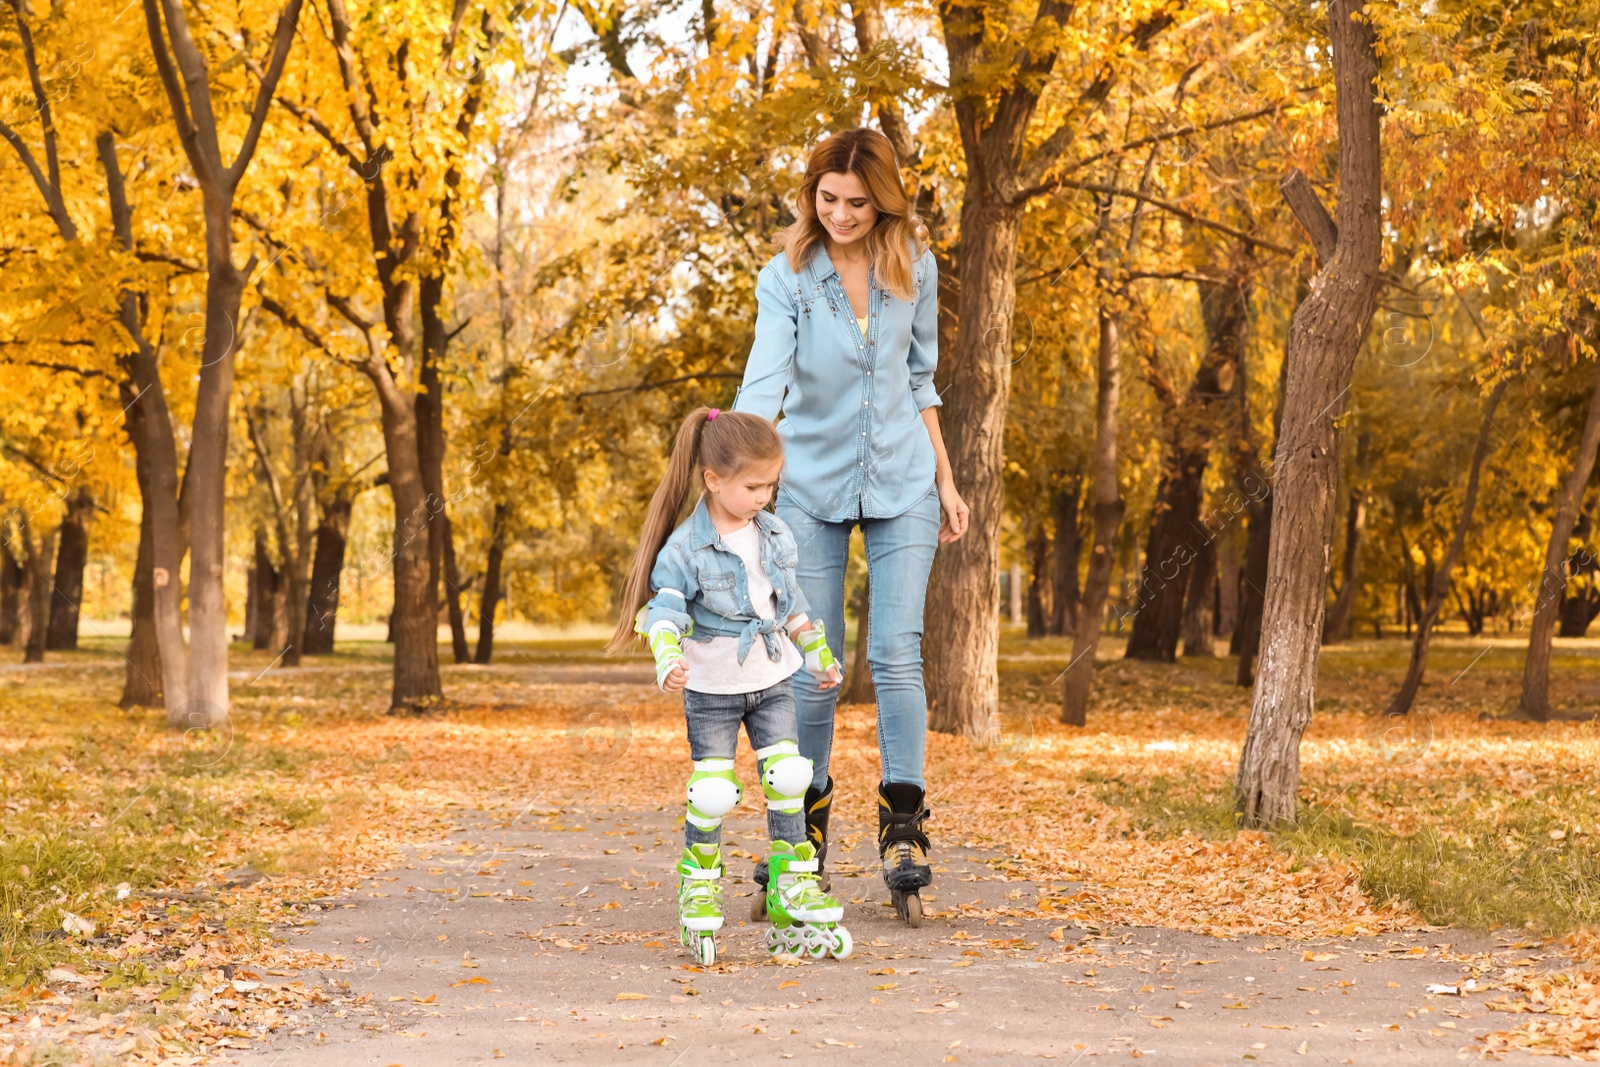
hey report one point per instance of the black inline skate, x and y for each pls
(904, 847)
(818, 803)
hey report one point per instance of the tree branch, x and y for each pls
(64, 368)
(642, 386)
(49, 188)
(310, 118)
(1174, 209)
(197, 127)
(1141, 142)
(1045, 156)
(1309, 211)
(296, 323)
(166, 257)
(282, 41)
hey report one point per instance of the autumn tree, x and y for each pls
(1324, 338)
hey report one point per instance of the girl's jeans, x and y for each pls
(713, 720)
(899, 557)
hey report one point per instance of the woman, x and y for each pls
(846, 344)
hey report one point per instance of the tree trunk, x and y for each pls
(1106, 494)
(1228, 590)
(144, 399)
(1579, 609)
(327, 568)
(1038, 582)
(860, 690)
(1063, 617)
(452, 598)
(1337, 627)
(252, 605)
(1198, 625)
(1324, 338)
(414, 621)
(297, 549)
(1401, 704)
(272, 588)
(71, 556)
(1535, 700)
(205, 479)
(36, 564)
(492, 583)
(141, 683)
(1175, 538)
(11, 582)
(1578, 612)
(1252, 589)
(961, 640)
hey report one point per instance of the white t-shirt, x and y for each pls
(714, 665)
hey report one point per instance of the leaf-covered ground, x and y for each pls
(140, 870)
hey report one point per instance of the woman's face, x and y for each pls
(842, 205)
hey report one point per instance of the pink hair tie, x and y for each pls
(713, 414)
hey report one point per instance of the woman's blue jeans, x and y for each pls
(899, 557)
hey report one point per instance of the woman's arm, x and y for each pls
(768, 371)
(953, 511)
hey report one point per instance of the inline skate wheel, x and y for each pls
(758, 908)
(843, 945)
(913, 910)
(706, 950)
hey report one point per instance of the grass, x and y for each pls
(1484, 858)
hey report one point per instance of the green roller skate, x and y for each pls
(805, 920)
(700, 901)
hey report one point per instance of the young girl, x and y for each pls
(724, 579)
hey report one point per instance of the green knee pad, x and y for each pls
(785, 776)
(713, 791)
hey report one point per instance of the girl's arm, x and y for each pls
(953, 511)
(813, 644)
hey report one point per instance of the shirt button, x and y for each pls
(863, 433)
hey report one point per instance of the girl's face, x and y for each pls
(842, 205)
(747, 492)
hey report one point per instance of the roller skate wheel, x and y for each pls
(843, 945)
(706, 950)
(817, 943)
(912, 910)
(758, 908)
(774, 941)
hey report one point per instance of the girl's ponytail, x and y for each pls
(665, 507)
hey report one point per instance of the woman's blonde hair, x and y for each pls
(726, 444)
(869, 156)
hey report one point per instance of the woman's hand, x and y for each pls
(953, 512)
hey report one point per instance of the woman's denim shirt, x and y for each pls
(855, 443)
(698, 580)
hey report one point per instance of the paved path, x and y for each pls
(551, 938)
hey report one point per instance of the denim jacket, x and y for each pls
(700, 581)
(855, 446)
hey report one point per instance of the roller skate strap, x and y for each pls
(803, 865)
(706, 873)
